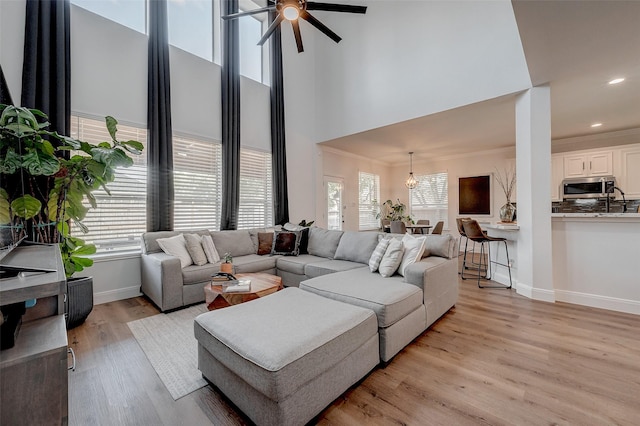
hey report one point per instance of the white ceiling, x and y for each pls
(575, 46)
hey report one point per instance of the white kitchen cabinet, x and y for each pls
(557, 174)
(629, 178)
(590, 164)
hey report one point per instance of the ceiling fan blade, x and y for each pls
(271, 29)
(296, 32)
(332, 7)
(319, 25)
(249, 12)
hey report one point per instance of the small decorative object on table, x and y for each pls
(227, 263)
(508, 183)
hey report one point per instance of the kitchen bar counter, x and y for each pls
(595, 259)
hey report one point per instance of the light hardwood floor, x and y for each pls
(497, 358)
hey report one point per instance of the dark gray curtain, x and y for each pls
(278, 146)
(160, 192)
(5, 95)
(230, 117)
(46, 69)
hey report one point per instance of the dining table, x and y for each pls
(419, 227)
(414, 228)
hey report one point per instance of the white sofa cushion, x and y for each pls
(413, 249)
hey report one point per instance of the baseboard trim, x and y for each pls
(598, 301)
(118, 294)
(535, 293)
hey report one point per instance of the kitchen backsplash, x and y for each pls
(592, 206)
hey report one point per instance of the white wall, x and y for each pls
(458, 166)
(12, 15)
(347, 166)
(408, 59)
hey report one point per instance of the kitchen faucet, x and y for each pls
(624, 201)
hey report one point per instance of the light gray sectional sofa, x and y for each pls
(336, 267)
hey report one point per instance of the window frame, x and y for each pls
(373, 206)
(441, 209)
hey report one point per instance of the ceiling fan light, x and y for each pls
(290, 12)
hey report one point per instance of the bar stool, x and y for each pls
(474, 232)
(464, 266)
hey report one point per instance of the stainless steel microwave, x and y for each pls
(588, 187)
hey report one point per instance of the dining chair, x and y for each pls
(438, 228)
(423, 222)
(474, 232)
(398, 227)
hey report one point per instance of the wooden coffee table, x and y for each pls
(261, 285)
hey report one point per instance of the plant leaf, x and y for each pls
(111, 126)
(37, 163)
(26, 206)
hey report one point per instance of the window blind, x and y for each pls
(119, 220)
(368, 207)
(430, 199)
(197, 177)
(256, 189)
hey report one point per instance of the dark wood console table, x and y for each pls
(33, 373)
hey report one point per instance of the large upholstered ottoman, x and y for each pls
(283, 358)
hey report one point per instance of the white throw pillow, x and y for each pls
(413, 249)
(210, 249)
(392, 258)
(176, 246)
(378, 254)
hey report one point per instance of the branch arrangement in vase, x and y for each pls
(507, 183)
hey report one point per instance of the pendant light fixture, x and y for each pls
(411, 181)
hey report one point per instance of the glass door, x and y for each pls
(333, 197)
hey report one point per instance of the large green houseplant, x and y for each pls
(47, 180)
(394, 211)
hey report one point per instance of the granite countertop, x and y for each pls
(603, 217)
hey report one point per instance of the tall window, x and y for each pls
(250, 52)
(256, 189)
(430, 199)
(119, 220)
(197, 179)
(130, 13)
(369, 195)
(191, 26)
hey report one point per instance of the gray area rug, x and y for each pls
(168, 342)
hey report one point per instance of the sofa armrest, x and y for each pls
(162, 280)
(438, 279)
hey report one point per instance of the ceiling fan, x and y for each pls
(292, 10)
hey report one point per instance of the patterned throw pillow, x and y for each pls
(210, 249)
(265, 242)
(392, 258)
(286, 243)
(378, 254)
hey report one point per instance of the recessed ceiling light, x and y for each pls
(616, 80)
(596, 125)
